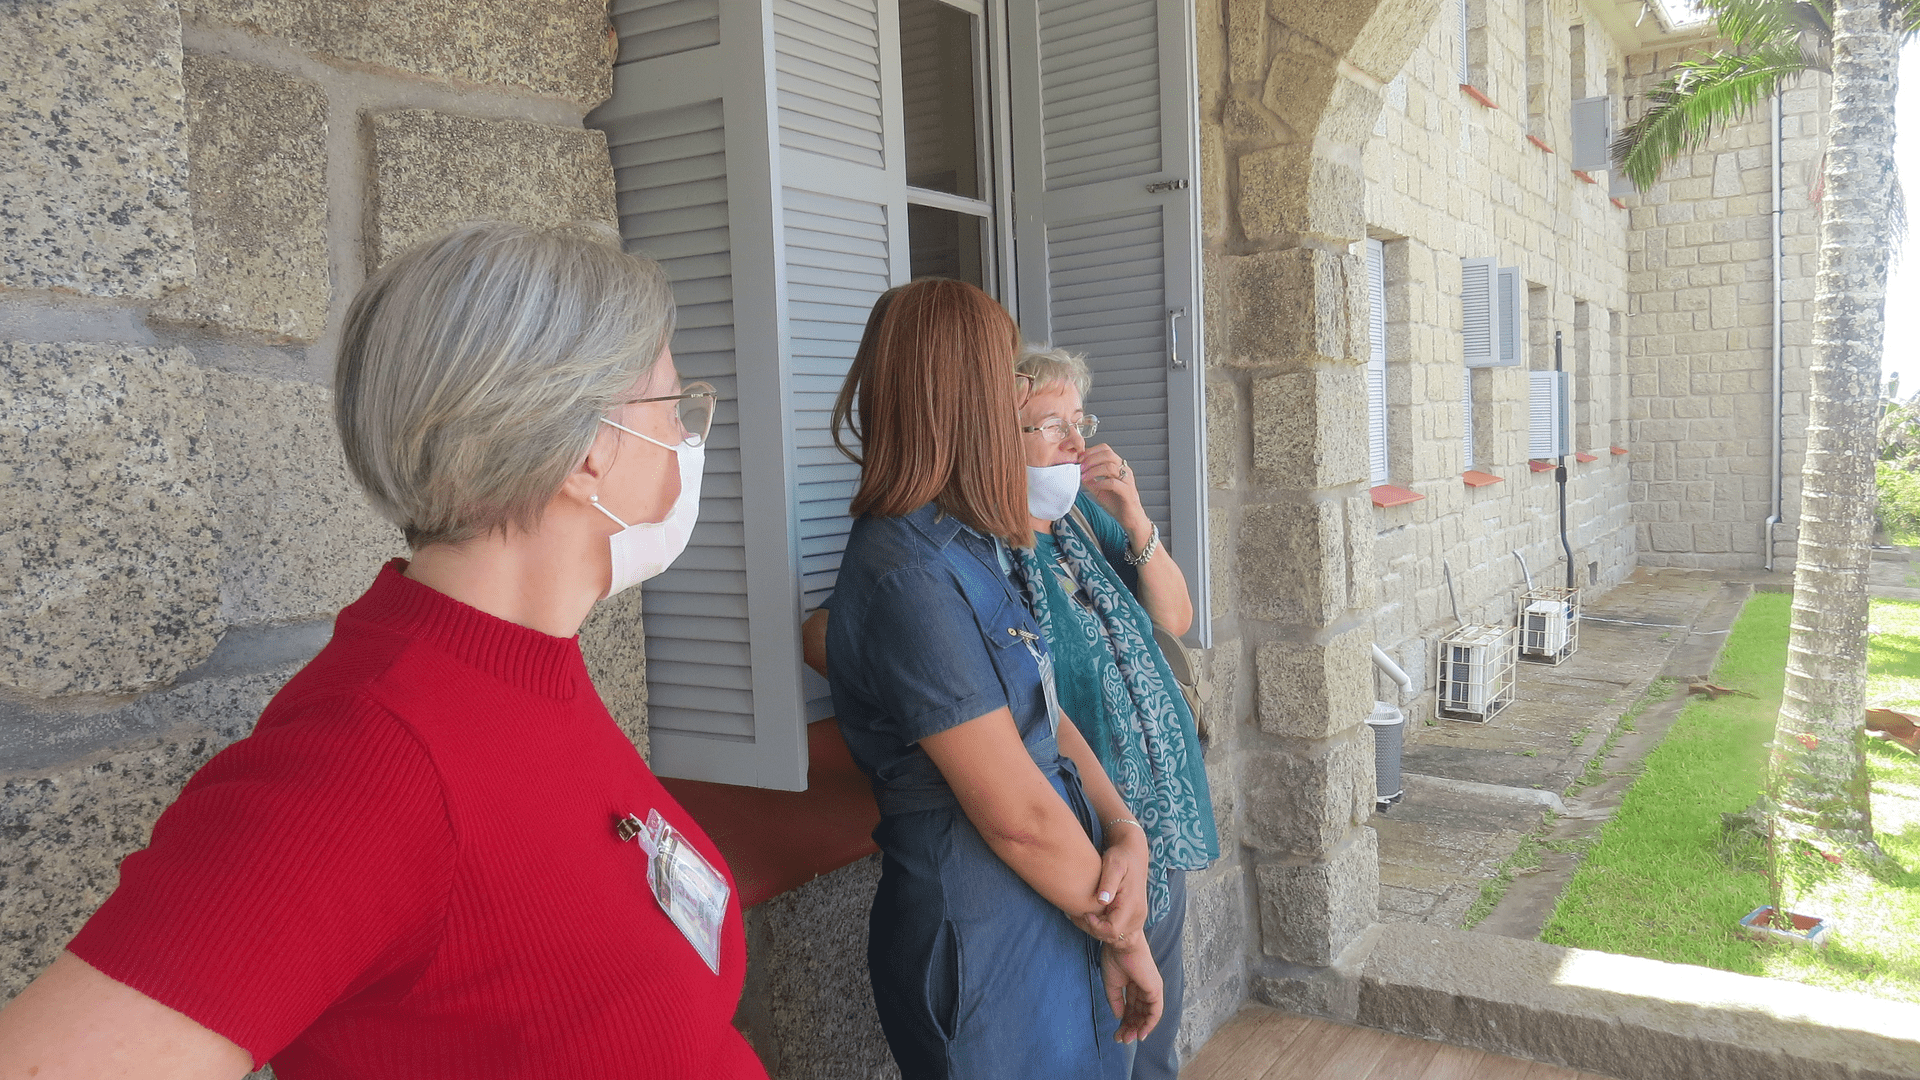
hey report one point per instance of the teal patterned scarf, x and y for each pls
(1152, 752)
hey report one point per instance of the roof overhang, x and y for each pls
(1644, 25)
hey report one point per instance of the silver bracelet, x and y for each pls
(1153, 545)
(1124, 821)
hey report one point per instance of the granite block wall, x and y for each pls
(1699, 356)
(1449, 177)
(191, 191)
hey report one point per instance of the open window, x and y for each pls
(788, 161)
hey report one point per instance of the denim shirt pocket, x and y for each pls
(1009, 628)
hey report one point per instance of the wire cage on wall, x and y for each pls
(1476, 665)
(1549, 624)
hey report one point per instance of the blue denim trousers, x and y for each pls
(975, 975)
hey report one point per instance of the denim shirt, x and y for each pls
(927, 633)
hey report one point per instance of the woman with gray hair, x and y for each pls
(437, 855)
(1100, 579)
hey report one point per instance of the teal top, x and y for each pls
(1154, 761)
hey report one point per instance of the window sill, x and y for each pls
(775, 841)
(1539, 142)
(1473, 92)
(1618, 450)
(1585, 176)
(1536, 465)
(1389, 495)
(1476, 478)
(1616, 202)
(1584, 457)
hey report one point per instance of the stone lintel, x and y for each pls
(93, 157)
(257, 141)
(110, 581)
(560, 49)
(433, 170)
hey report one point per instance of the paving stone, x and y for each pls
(432, 171)
(111, 582)
(93, 158)
(257, 141)
(559, 49)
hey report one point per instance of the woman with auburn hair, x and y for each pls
(994, 813)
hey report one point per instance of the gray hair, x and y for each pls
(474, 370)
(1049, 365)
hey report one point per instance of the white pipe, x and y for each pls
(1779, 397)
(1385, 663)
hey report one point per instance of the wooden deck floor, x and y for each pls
(1266, 1044)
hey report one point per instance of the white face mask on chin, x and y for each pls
(1051, 490)
(644, 550)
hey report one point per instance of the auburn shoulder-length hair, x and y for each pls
(938, 421)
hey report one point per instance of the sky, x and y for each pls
(1902, 352)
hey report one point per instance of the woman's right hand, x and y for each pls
(1134, 988)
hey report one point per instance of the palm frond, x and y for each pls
(1701, 94)
(1750, 24)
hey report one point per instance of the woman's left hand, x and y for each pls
(1123, 876)
(1110, 480)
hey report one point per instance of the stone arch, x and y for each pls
(1290, 90)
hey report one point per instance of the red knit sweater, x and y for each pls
(409, 870)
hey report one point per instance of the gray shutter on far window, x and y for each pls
(1547, 414)
(1510, 316)
(1466, 418)
(1476, 312)
(1377, 360)
(1592, 132)
(1106, 232)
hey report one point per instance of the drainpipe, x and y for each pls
(1779, 398)
(1393, 671)
(1560, 477)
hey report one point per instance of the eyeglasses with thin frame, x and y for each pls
(1022, 386)
(1054, 429)
(693, 408)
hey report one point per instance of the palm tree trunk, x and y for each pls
(1818, 776)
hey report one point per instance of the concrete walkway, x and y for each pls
(1474, 793)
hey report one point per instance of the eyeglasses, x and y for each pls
(1022, 386)
(693, 407)
(1055, 429)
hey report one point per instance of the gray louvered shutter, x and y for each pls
(1476, 311)
(1466, 65)
(1510, 316)
(748, 151)
(845, 242)
(1377, 359)
(1107, 238)
(1592, 132)
(1547, 414)
(1466, 418)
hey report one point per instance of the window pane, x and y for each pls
(937, 87)
(944, 243)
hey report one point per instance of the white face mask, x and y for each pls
(1051, 490)
(644, 550)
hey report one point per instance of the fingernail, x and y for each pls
(1106, 898)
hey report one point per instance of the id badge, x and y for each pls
(688, 888)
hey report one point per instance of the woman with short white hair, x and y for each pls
(437, 855)
(1103, 580)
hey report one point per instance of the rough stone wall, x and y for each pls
(1289, 92)
(1449, 178)
(1700, 332)
(191, 193)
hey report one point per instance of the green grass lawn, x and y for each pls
(1657, 883)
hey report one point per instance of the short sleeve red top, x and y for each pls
(409, 869)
